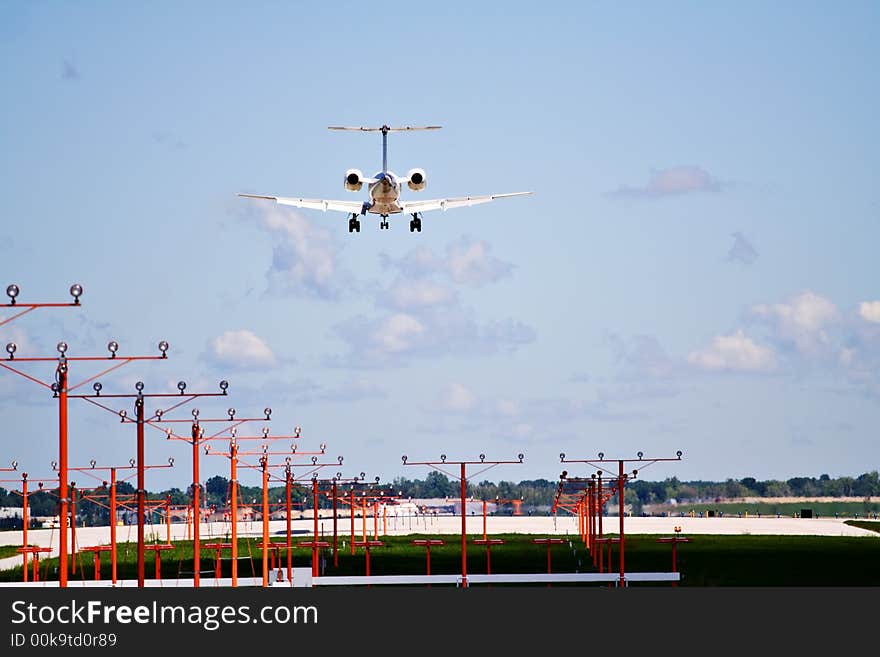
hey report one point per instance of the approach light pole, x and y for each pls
(234, 455)
(622, 478)
(112, 503)
(140, 420)
(196, 439)
(462, 477)
(61, 387)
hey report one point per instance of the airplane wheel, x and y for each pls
(412, 226)
(357, 226)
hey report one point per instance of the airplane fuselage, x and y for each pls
(385, 194)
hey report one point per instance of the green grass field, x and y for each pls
(706, 561)
(8, 551)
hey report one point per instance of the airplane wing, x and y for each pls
(313, 203)
(451, 203)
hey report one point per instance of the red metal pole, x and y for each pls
(168, 519)
(335, 535)
(24, 523)
(591, 530)
(674, 583)
(141, 488)
(620, 481)
(376, 520)
(599, 505)
(265, 522)
(62, 473)
(351, 505)
(287, 487)
(158, 564)
(463, 527)
(488, 558)
(233, 463)
(72, 530)
(315, 541)
(367, 549)
(113, 525)
(97, 565)
(196, 504)
(364, 517)
(484, 520)
(428, 546)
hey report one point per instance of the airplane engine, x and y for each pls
(354, 180)
(417, 179)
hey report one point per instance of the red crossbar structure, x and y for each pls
(157, 549)
(488, 542)
(549, 542)
(367, 545)
(36, 551)
(602, 541)
(427, 543)
(96, 550)
(315, 546)
(218, 548)
(674, 540)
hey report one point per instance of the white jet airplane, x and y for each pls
(384, 189)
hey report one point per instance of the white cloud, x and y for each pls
(419, 262)
(675, 181)
(733, 352)
(419, 293)
(470, 263)
(522, 430)
(397, 333)
(847, 357)
(467, 262)
(459, 397)
(870, 311)
(24, 345)
(304, 257)
(507, 407)
(432, 332)
(801, 321)
(641, 356)
(241, 349)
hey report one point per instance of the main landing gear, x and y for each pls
(383, 225)
(354, 224)
(416, 223)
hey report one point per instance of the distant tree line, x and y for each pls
(535, 494)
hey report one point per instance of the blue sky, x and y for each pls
(697, 269)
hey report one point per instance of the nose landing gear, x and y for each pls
(354, 224)
(383, 224)
(416, 223)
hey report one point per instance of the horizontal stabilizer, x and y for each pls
(385, 128)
